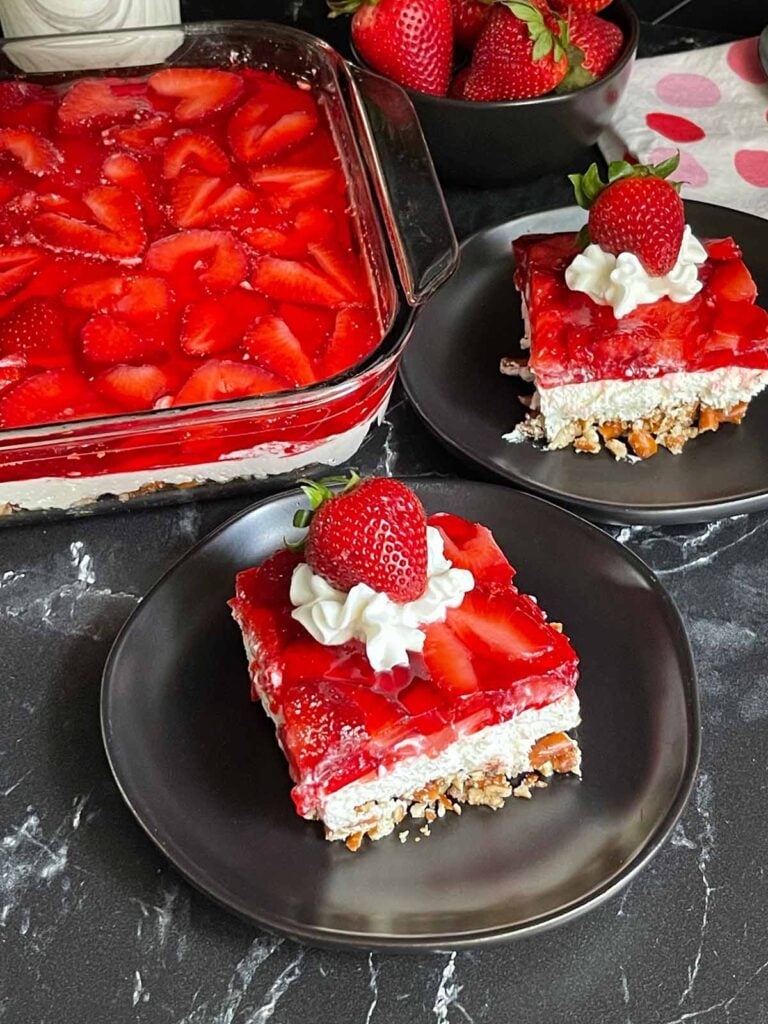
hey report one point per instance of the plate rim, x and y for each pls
(323, 936)
(615, 512)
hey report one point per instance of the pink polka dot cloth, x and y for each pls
(712, 105)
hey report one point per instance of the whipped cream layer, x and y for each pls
(628, 400)
(390, 630)
(623, 283)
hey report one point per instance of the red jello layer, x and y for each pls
(171, 240)
(573, 339)
(341, 721)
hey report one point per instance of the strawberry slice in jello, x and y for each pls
(118, 232)
(382, 705)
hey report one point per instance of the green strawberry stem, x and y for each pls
(337, 7)
(319, 491)
(588, 186)
(545, 41)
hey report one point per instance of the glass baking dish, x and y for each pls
(403, 228)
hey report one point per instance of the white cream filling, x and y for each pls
(389, 629)
(505, 747)
(258, 462)
(623, 283)
(607, 400)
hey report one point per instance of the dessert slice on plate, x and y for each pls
(404, 671)
(639, 334)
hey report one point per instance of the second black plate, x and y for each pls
(451, 373)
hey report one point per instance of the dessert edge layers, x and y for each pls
(262, 461)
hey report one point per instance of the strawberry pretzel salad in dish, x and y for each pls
(403, 670)
(639, 334)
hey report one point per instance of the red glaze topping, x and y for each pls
(575, 340)
(493, 657)
(173, 239)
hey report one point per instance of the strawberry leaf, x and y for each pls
(665, 168)
(577, 76)
(542, 46)
(583, 238)
(619, 169)
(578, 191)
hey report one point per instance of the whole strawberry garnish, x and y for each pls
(588, 6)
(469, 18)
(409, 41)
(637, 211)
(599, 41)
(520, 53)
(374, 532)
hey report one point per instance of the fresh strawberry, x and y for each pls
(118, 233)
(355, 335)
(312, 325)
(732, 281)
(125, 170)
(449, 660)
(97, 102)
(599, 41)
(469, 18)
(196, 149)
(271, 343)
(200, 91)
(291, 281)
(35, 330)
(472, 546)
(341, 268)
(409, 41)
(246, 126)
(374, 532)
(15, 94)
(107, 340)
(722, 249)
(35, 154)
(295, 184)
(213, 326)
(18, 265)
(220, 379)
(145, 137)
(46, 398)
(638, 211)
(136, 297)
(214, 258)
(587, 6)
(519, 54)
(11, 371)
(314, 718)
(198, 200)
(133, 387)
(458, 84)
(488, 626)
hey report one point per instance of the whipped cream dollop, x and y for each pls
(623, 283)
(388, 629)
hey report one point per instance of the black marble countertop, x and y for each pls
(95, 926)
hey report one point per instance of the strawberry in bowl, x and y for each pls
(528, 84)
(404, 671)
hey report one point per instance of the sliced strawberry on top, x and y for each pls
(95, 103)
(35, 154)
(11, 371)
(212, 326)
(221, 379)
(272, 344)
(312, 325)
(46, 398)
(18, 264)
(14, 94)
(197, 150)
(137, 297)
(118, 234)
(147, 136)
(133, 387)
(448, 659)
(731, 280)
(355, 335)
(107, 340)
(200, 91)
(294, 184)
(497, 626)
(214, 258)
(722, 249)
(341, 268)
(291, 281)
(198, 200)
(246, 126)
(472, 546)
(125, 170)
(286, 132)
(36, 330)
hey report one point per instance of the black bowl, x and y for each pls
(476, 143)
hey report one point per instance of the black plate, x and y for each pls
(199, 766)
(451, 373)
